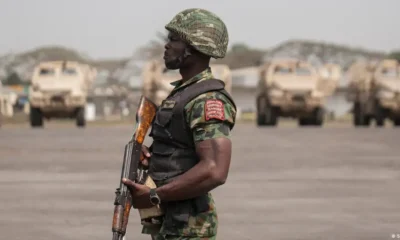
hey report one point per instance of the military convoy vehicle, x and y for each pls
(157, 79)
(291, 88)
(59, 89)
(8, 100)
(223, 72)
(374, 90)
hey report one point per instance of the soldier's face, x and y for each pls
(174, 53)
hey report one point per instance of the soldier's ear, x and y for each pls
(188, 52)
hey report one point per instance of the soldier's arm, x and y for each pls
(211, 132)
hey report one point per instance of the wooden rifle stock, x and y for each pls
(135, 171)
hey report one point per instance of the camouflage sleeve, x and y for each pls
(210, 115)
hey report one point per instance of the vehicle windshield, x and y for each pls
(303, 71)
(69, 71)
(390, 72)
(46, 72)
(283, 70)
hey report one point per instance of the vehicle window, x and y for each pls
(46, 72)
(69, 71)
(283, 70)
(303, 71)
(390, 72)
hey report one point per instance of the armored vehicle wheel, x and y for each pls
(359, 116)
(379, 115)
(80, 117)
(367, 121)
(260, 119)
(271, 115)
(35, 117)
(318, 117)
(304, 122)
(356, 115)
(266, 115)
(396, 122)
(261, 116)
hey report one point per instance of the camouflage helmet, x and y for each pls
(201, 29)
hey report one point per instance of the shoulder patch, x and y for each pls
(214, 109)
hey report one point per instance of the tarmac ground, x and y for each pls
(335, 182)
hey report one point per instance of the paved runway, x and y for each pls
(285, 183)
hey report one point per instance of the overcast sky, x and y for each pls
(110, 29)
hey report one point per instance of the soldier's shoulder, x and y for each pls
(211, 97)
(211, 108)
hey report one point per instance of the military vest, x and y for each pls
(173, 151)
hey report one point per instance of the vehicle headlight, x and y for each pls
(316, 94)
(386, 94)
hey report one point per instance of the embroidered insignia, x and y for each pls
(168, 104)
(214, 109)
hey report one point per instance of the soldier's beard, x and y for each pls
(174, 63)
(178, 62)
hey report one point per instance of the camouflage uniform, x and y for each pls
(199, 28)
(204, 225)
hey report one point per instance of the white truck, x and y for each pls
(374, 90)
(59, 89)
(292, 88)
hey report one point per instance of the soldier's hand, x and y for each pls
(145, 156)
(140, 194)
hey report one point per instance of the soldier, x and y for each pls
(191, 150)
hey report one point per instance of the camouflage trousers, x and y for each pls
(201, 226)
(155, 235)
(158, 237)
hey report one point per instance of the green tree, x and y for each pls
(13, 79)
(395, 55)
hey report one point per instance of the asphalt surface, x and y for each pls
(335, 182)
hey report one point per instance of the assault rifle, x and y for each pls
(133, 169)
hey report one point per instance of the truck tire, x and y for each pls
(271, 115)
(359, 116)
(396, 122)
(80, 117)
(356, 115)
(35, 117)
(318, 117)
(379, 115)
(261, 119)
(261, 108)
(303, 121)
